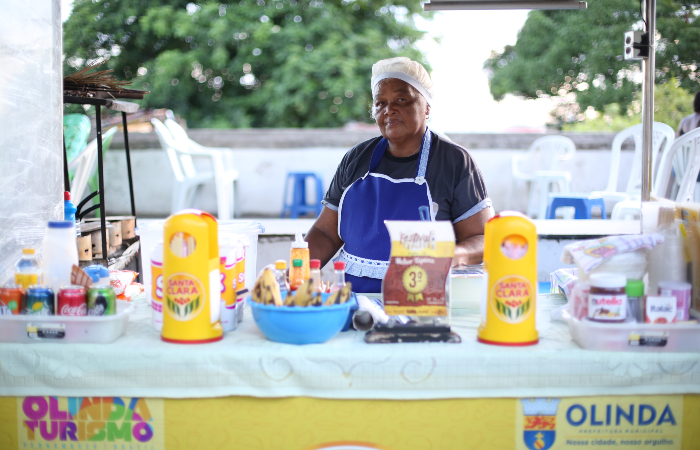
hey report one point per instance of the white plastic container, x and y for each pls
(66, 329)
(667, 260)
(631, 336)
(59, 254)
(151, 232)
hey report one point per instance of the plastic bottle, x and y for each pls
(338, 276)
(667, 260)
(27, 269)
(315, 266)
(296, 274)
(59, 253)
(300, 250)
(635, 300)
(281, 276)
(69, 211)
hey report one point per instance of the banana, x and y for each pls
(289, 301)
(304, 294)
(345, 293)
(267, 290)
(332, 299)
(317, 300)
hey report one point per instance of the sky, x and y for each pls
(462, 99)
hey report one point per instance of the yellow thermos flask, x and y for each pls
(191, 280)
(510, 273)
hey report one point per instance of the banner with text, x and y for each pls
(629, 422)
(97, 423)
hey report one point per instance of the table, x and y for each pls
(124, 108)
(246, 389)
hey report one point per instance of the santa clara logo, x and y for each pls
(183, 296)
(512, 299)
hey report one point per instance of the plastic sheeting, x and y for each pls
(31, 111)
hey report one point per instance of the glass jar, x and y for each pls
(607, 301)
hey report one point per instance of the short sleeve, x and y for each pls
(469, 195)
(338, 183)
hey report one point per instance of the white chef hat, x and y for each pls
(404, 69)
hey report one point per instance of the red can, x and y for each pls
(11, 296)
(71, 301)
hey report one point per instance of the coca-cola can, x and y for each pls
(72, 301)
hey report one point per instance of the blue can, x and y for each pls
(39, 301)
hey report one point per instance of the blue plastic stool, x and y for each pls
(298, 205)
(583, 203)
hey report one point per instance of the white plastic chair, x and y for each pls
(225, 173)
(540, 161)
(685, 149)
(186, 176)
(84, 165)
(662, 134)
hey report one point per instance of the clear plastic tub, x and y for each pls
(66, 329)
(635, 337)
(151, 232)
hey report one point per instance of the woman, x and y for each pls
(394, 177)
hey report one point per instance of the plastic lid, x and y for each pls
(11, 286)
(299, 242)
(608, 280)
(28, 251)
(66, 196)
(635, 288)
(61, 224)
(339, 265)
(675, 285)
(104, 272)
(297, 263)
(315, 264)
(281, 264)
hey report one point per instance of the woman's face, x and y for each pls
(399, 109)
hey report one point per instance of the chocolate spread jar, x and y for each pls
(607, 301)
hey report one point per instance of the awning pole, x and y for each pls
(648, 67)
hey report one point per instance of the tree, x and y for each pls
(264, 63)
(577, 56)
(671, 104)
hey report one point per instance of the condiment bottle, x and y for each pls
(59, 254)
(27, 269)
(635, 299)
(296, 274)
(300, 250)
(281, 276)
(338, 276)
(607, 301)
(315, 265)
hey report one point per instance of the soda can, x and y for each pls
(71, 301)
(101, 301)
(11, 296)
(39, 301)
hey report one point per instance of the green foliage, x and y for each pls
(264, 63)
(671, 104)
(577, 56)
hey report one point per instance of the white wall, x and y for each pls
(31, 152)
(262, 177)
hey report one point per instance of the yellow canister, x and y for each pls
(191, 279)
(510, 274)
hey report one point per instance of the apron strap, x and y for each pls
(378, 154)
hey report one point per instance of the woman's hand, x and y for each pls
(323, 238)
(469, 234)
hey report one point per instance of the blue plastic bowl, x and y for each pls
(303, 325)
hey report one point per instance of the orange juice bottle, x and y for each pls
(300, 250)
(296, 274)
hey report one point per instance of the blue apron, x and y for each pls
(364, 207)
